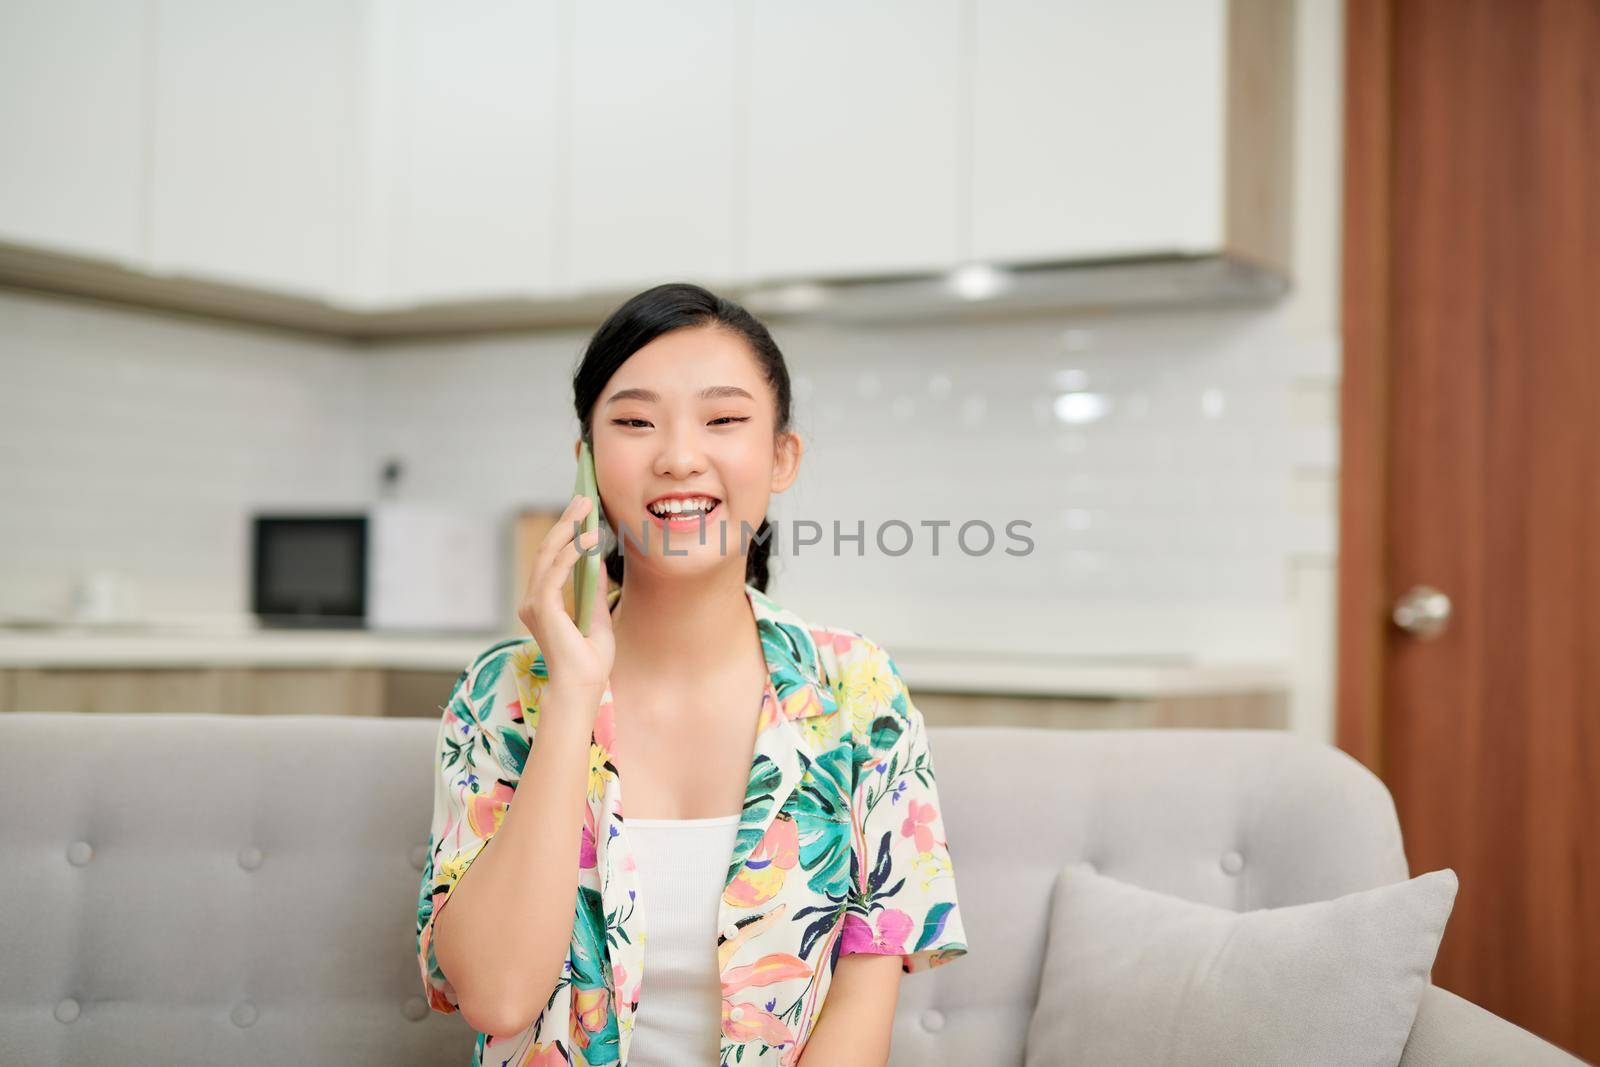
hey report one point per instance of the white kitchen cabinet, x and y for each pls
(253, 138)
(651, 192)
(1099, 129)
(462, 123)
(373, 168)
(854, 138)
(72, 100)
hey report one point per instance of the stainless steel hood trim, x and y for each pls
(1055, 287)
(1043, 287)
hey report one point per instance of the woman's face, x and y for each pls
(690, 412)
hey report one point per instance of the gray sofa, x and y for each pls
(216, 889)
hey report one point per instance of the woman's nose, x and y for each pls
(680, 455)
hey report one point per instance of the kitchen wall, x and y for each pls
(135, 443)
(1168, 525)
(1194, 516)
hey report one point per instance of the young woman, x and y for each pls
(778, 848)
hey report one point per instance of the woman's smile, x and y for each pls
(688, 523)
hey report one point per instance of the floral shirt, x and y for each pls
(840, 848)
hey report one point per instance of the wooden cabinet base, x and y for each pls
(236, 690)
(423, 693)
(1264, 710)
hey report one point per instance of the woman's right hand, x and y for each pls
(575, 663)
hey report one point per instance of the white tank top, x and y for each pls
(681, 866)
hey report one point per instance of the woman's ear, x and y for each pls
(786, 467)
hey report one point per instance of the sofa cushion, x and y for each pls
(1132, 975)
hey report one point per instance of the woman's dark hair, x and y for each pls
(642, 319)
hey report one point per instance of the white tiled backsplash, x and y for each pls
(1171, 523)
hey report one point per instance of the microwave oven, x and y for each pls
(309, 570)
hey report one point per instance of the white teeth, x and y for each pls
(691, 507)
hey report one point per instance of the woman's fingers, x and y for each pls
(547, 566)
(555, 578)
(548, 546)
(567, 560)
(568, 653)
(560, 534)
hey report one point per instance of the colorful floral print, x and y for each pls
(840, 848)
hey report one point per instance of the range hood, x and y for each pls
(973, 292)
(970, 293)
(1042, 288)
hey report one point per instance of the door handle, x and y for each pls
(1422, 612)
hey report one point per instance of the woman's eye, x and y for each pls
(714, 422)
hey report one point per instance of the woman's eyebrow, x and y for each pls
(650, 396)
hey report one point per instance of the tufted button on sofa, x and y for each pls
(201, 889)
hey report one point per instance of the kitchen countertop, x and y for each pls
(930, 669)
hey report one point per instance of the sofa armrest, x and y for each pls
(1453, 1030)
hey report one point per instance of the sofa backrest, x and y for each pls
(1241, 819)
(219, 888)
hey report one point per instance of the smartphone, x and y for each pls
(586, 574)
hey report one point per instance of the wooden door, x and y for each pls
(1471, 464)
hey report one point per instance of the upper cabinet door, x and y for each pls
(853, 137)
(1098, 128)
(381, 154)
(253, 143)
(651, 193)
(461, 151)
(72, 78)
